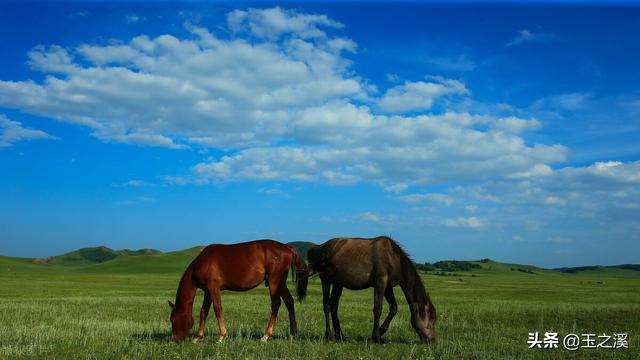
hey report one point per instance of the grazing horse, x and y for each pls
(238, 267)
(356, 264)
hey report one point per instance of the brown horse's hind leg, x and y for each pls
(214, 291)
(204, 312)
(378, 292)
(336, 292)
(274, 291)
(393, 309)
(326, 305)
(288, 301)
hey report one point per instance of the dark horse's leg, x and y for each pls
(378, 292)
(336, 292)
(214, 292)
(204, 312)
(275, 281)
(393, 309)
(288, 301)
(326, 304)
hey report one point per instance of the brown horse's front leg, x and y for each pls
(393, 309)
(274, 291)
(336, 292)
(288, 301)
(204, 312)
(214, 292)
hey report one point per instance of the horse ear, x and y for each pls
(171, 304)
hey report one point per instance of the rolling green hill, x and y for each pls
(105, 260)
(170, 262)
(93, 255)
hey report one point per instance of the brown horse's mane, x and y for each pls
(412, 279)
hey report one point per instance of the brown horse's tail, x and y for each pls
(300, 274)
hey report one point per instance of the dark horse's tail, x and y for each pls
(300, 274)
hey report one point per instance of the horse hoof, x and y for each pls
(264, 339)
(196, 339)
(221, 339)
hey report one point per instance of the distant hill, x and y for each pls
(573, 270)
(160, 263)
(483, 266)
(93, 255)
(103, 260)
(302, 247)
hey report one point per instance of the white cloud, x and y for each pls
(471, 208)
(515, 125)
(461, 62)
(166, 91)
(132, 19)
(464, 222)
(603, 189)
(433, 197)
(528, 36)
(375, 218)
(283, 105)
(275, 22)
(566, 102)
(395, 188)
(392, 77)
(419, 95)
(136, 201)
(50, 59)
(271, 191)
(134, 183)
(12, 132)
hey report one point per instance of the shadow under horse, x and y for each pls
(238, 267)
(358, 263)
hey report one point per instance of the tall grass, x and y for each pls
(63, 314)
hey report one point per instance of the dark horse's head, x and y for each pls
(181, 323)
(423, 320)
(423, 313)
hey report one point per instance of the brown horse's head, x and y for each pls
(423, 320)
(181, 323)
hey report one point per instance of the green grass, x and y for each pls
(118, 309)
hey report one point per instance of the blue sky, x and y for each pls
(463, 131)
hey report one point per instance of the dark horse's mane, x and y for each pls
(412, 279)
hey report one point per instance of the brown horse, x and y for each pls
(356, 263)
(238, 267)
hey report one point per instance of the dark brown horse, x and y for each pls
(238, 267)
(356, 264)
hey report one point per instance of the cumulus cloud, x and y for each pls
(275, 22)
(376, 218)
(433, 197)
(464, 222)
(134, 183)
(419, 95)
(166, 91)
(279, 97)
(12, 132)
(563, 102)
(602, 189)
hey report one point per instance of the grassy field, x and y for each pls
(118, 310)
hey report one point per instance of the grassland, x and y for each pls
(118, 309)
